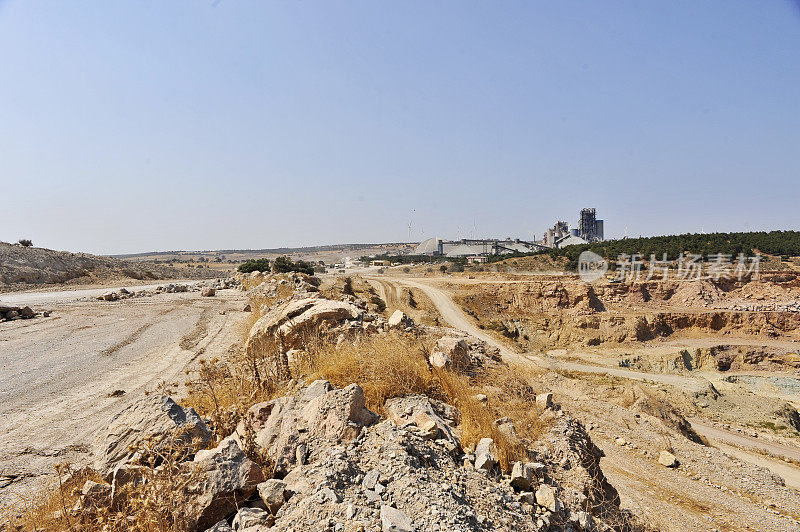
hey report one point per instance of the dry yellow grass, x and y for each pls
(384, 366)
(156, 503)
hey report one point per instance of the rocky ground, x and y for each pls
(589, 452)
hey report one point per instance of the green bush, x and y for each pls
(254, 265)
(284, 264)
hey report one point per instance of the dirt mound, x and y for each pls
(21, 267)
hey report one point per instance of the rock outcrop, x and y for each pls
(288, 322)
(154, 422)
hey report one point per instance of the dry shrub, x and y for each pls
(223, 390)
(156, 502)
(48, 507)
(509, 395)
(385, 366)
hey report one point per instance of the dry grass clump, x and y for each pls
(385, 366)
(153, 500)
(510, 395)
(223, 390)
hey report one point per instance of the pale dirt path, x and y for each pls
(62, 296)
(58, 372)
(746, 442)
(678, 502)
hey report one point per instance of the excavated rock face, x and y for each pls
(155, 421)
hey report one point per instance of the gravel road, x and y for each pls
(58, 373)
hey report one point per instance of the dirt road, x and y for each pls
(62, 296)
(59, 373)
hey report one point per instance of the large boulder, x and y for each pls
(399, 320)
(338, 414)
(281, 428)
(155, 422)
(225, 479)
(291, 320)
(273, 425)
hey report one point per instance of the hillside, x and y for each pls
(22, 267)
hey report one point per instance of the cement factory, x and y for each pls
(589, 229)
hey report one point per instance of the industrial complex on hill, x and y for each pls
(590, 229)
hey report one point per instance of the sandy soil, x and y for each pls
(58, 373)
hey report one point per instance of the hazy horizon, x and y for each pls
(187, 125)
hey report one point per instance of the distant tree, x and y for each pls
(284, 264)
(254, 265)
(24, 242)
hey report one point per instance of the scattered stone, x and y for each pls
(222, 526)
(423, 413)
(667, 459)
(437, 359)
(95, 495)
(485, 454)
(546, 498)
(544, 400)
(250, 517)
(399, 320)
(521, 476)
(393, 520)
(208, 292)
(273, 493)
(370, 479)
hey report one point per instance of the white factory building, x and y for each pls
(472, 248)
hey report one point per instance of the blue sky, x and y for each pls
(152, 125)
